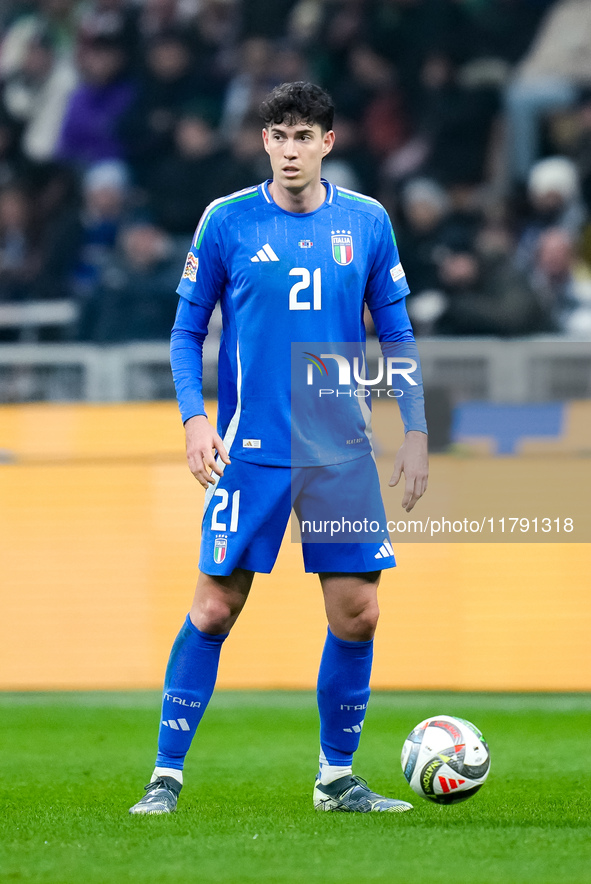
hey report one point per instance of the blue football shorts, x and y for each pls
(339, 508)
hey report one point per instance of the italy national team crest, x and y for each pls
(219, 549)
(342, 246)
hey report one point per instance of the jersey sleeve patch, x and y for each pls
(191, 266)
(397, 272)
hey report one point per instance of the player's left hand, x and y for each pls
(412, 459)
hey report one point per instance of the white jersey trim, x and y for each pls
(330, 191)
(216, 205)
(366, 411)
(231, 431)
(362, 197)
(265, 190)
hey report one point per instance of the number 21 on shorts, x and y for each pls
(220, 508)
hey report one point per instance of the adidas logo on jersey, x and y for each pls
(264, 254)
(384, 551)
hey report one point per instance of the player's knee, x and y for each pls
(213, 615)
(361, 625)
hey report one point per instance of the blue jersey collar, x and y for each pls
(330, 196)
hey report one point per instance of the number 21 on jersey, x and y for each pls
(294, 301)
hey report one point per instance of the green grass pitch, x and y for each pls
(73, 763)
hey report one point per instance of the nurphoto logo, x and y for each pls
(353, 371)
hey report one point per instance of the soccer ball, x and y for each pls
(445, 759)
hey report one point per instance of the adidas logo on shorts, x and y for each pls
(385, 551)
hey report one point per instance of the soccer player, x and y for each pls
(294, 259)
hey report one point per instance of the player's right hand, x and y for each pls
(203, 444)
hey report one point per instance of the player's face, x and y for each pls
(296, 153)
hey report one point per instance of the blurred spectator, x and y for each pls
(217, 26)
(136, 299)
(90, 129)
(370, 92)
(183, 184)
(12, 166)
(502, 30)
(302, 25)
(290, 64)
(254, 78)
(554, 201)
(51, 185)
(563, 283)
(114, 19)
(398, 31)
(87, 85)
(581, 147)
(249, 161)
(349, 158)
(82, 241)
(169, 82)
(436, 238)
(9, 10)
(420, 233)
(549, 78)
(467, 214)
(426, 230)
(407, 31)
(339, 28)
(487, 295)
(57, 19)
(36, 94)
(20, 256)
(455, 123)
(263, 19)
(159, 16)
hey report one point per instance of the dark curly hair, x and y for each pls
(291, 103)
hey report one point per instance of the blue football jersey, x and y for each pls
(283, 278)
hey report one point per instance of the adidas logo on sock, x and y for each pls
(179, 724)
(384, 551)
(356, 729)
(265, 254)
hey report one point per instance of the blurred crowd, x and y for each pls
(120, 120)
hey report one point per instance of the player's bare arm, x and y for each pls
(203, 443)
(412, 459)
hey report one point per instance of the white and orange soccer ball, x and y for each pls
(445, 759)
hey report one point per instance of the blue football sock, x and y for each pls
(188, 686)
(343, 693)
